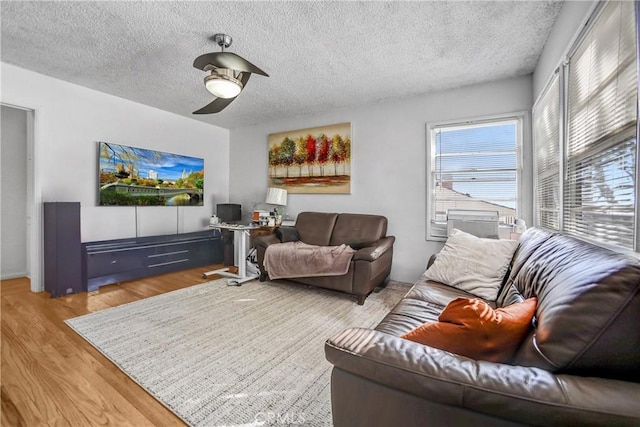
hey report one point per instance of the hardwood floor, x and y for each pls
(51, 376)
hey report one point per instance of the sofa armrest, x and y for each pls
(516, 393)
(264, 241)
(281, 235)
(373, 252)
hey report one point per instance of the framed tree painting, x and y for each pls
(313, 160)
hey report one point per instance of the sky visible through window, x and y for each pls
(479, 161)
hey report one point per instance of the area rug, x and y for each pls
(217, 355)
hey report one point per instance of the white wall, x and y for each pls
(570, 20)
(388, 161)
(13, 183)
(71, 119)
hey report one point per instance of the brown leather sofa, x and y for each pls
(579, 365)
(370, 265)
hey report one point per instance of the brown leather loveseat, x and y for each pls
(578, 366)
(371, 263)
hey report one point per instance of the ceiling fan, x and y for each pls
(229, 74)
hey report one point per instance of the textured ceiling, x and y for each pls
(320, 55)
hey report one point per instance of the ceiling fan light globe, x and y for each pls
(223, 88)
(222, 85)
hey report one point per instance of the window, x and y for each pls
(473, 165)
(599, 89)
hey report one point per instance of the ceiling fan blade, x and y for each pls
(244, 79)
(220, 104)
(215, 106)
(227, 60)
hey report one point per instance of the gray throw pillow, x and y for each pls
(472, 264)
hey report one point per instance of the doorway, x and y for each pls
(19, 227)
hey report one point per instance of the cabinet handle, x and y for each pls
(167, 263)
(168, 253)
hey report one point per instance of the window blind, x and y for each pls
(599, 190)
(546, 139)
(474, 166)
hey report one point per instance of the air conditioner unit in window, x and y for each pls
(480, 223)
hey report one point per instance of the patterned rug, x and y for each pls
(217, 355)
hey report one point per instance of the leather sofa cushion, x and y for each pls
(423, 303)
(315, 228)
(588, 313)
(358, 229)
(437, 293)
(529, 243)
(471, 328)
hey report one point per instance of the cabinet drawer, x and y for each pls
(178, 255)
(112, 261)
(106, 263)
(171, 247)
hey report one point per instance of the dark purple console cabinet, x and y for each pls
(71, 266)
(62, 249)
(113, 261)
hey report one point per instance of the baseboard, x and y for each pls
(13, 276)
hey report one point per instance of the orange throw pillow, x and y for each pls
(471, 328)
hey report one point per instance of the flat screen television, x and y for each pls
(229, 212)
(131, 176)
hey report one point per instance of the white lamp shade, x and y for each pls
(223, 88)
(276, 196)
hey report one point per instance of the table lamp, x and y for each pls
(276, 196)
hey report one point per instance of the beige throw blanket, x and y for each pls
(297, 259)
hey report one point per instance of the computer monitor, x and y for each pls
(229, 212)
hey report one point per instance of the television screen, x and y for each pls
(131, 176)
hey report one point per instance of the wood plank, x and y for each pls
(52, 376)
(10, 414)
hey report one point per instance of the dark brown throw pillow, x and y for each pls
(287, 234)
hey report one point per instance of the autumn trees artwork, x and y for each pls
(314, 160)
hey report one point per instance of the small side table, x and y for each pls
(240, 236)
